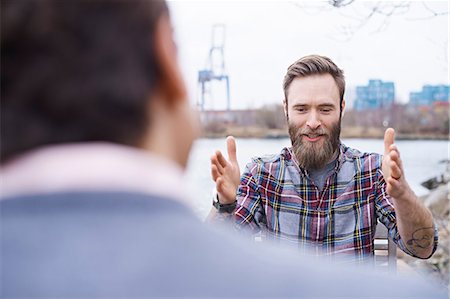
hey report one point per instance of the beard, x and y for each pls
(315, 155)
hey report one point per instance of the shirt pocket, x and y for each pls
(344, 219)
(284, 214)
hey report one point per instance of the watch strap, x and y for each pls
(223, 208)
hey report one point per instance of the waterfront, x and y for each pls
(420, 159)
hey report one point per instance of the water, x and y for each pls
(420, 161)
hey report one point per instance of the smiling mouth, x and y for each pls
(312, 137)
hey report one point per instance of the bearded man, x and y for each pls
(320, 194)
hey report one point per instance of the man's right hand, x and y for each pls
(226, 174)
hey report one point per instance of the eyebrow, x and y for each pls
(325, 105)
(329, 105)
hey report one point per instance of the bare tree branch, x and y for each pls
(340, 3)
(377, 13)
(432, 12)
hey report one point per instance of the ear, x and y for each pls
(171, 83)
(343, 108)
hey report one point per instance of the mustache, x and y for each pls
(309, 131)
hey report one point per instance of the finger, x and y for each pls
(395, 157)
(396, 172)
(393, 148)
(395, 165)
(393, 154)
(214, 172)
(392, 185)
(215, 161)
(221, 159)
(389, 137)
(231, 147)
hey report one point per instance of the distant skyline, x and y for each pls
(263, 38)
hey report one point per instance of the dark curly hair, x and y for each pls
(76, 71)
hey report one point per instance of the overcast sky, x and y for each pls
(264, 37)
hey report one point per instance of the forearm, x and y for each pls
(415, 224)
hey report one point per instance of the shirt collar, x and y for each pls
(92, 167)
(341, 157)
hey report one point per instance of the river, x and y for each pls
(420, 160)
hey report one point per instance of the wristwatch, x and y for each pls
(223, 208)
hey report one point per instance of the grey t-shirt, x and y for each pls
(319, 176)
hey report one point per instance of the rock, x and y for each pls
(438, 201)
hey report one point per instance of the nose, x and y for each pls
(313, 121)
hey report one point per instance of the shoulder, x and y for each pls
(86, 204)
(368, 160)
(263, 162)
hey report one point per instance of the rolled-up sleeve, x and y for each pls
(386, 215)
(248, 210)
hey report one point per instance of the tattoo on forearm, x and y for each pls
(422, 238)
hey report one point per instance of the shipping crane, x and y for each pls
(215, 67)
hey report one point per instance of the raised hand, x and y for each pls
(226, 174)
(392, 166)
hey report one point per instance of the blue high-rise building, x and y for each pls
(429, 95)
(377, 94)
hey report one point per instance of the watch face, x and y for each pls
(216, 202)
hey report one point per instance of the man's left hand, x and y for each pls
(392, 167)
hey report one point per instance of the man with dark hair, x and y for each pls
(319, 193)
(96, 132)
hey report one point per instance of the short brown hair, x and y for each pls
(76, 71)
(314, 65)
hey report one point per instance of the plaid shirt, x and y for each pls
(277, 199)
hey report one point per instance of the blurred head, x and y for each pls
(314, 101)
(86, 71)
